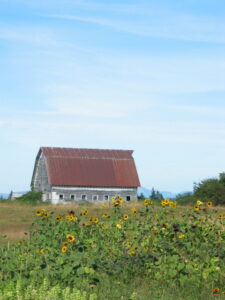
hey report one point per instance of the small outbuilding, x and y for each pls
(73, 175)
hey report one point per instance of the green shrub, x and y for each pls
(32, 198)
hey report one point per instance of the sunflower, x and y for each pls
(45, 215)
(105, 216)
(131, 252)
(125, 217)
(209, 203)
(64, 249)
(119, 226)
(133, 210)
(65, 243)
(181, 236)
(199, 203)
(128, 244)
(59, 218)
(38, 213)
(95, 220)
(196, 208)
(120, 199)
(173, 204)
(85, 224)
(113, 199)
(71, 218)
(42, 251)
(84, 212)
(147, 202)
(37, 251)
(116, 203)
(70, 237)
(220, 217)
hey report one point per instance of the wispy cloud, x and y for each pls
(209, 110)
(34, 35)
(173, 27)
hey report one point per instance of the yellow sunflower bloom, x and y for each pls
(59, 218)
(71, 218)
(64, 249)
(45, 215)
(70, 237)
(38, 213)
(116, 203)
(42, 251)
(105, 216)
(95, 220)
(129, 244)
(199, 203)
(125, 217)
(209, 203)
(120, 199)
(173, 204)
(196, 208)
(84, 212)
(131, 252)
(147, 202)
(133, 210)
(181, 236)
(119, 226)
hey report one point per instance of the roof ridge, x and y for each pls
(100, 149)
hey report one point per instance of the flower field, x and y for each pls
(127, 251)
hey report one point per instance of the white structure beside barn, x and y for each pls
(66, 175)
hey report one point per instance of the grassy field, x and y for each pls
(119, 250)
(16, 218)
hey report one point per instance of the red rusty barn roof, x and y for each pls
(90, 167)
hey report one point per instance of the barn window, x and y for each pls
(61, 196)
(83, 197)
(106, 197)
(72, 197)
(128, 198)
(95, 197)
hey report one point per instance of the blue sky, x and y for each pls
(141, 75)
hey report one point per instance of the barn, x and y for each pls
(66, 175)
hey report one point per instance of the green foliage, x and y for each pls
(211, 189)
(45, 291)
(156, 195)
(78, 253)
(32, 198)
(185, 198)
(141, 197)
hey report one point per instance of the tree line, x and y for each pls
(210, 189)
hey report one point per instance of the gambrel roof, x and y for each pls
(89, 167)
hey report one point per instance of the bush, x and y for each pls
(32, 198)
(185, 198)
(211, 189)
